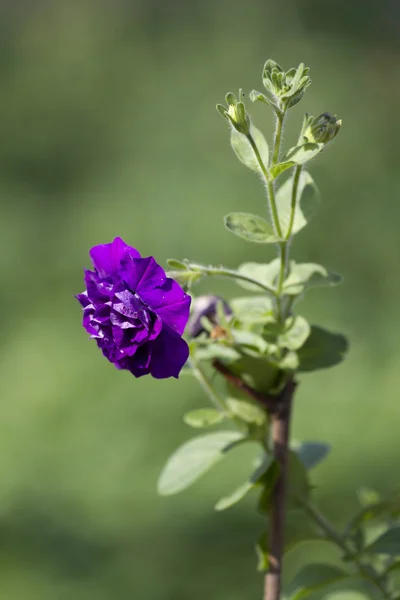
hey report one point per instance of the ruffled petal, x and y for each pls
(107, 258)
(170, 352)
(142, 274)
(172, 304)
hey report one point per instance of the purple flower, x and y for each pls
(135, 312)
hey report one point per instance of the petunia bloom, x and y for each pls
(135, 313)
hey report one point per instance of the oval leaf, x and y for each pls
(311, 453)
(387, 543)
(194, 458)
(303, 153)
(265, 273)
(306, 205)
(242, 490)
(245, 152)
(203, 417)
(280, 168)
(247, 411)
(295, 336)
(321, 350)
(251, 228)
(314, 577)
(305, 275)
(252, 309)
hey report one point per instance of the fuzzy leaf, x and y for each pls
(305, 275)
(265, 273)
(276, 170)
(194, 458)
(311, 453)
(387, 543)
(241, 491)
(295, 336)
(203, 417)
(314, 577)
(306, 204)
(303, 153)
(251, 228)
(245, 153)
(247, 411)
(322, 349)
(252, 309)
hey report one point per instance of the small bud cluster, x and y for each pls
(322, 129)
(236, 112)
(287, 88)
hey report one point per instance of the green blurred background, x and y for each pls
(108, 127)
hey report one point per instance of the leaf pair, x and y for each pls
(256, 229)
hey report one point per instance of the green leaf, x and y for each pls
(262, 553)
(311, 453)
(203, 417)
(299, 530)
(303, 153)
(298, 484)
(322, 349)
(265, 273)
(251, 228)
(280, 168)
(306, 205)
(247, 340)
(305, 275)
(225, 353)
(176, 264)
(247, 411)
(296, 334)
(268, 482)
(252, 309)
(387, 543)
(290, 361)
(314, 577)
(194, 458)
(241, 491)
(245, 152)
(368, 497)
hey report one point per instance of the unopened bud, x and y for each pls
(206, 306)
(323, 129)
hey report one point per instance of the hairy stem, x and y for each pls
(334, 536)
(221, 271)
(269, 185)
(295, 188)
(278, 138)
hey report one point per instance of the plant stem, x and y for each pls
(278, 138)
(208, 387)
(269, 185)
(221, 271)
(296, 179)
(280, 425)
(334, 536)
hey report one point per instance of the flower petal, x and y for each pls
(142, 274)
(107, 258)
(170, 352)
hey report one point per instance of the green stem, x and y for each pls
(278, 138)
(269, 185)
(295, 188)
(221, 271)
(334, 536)
(207, 386)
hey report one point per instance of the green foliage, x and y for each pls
(247, 411)
(387, 543)
(255, 479)
(265, 273)
(295, 333)
(268, 483)
(305, 275)
(194, 458)
(244, 151)
(307, 203)
(203, 417)
(303, 153)
(314, 577)
(321, 350)
(251, 228)
(311, 453)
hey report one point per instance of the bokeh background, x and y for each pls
(108, 127)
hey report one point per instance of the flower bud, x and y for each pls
(236, 113)
(322, 129)
(205, 306)
(286, 88)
